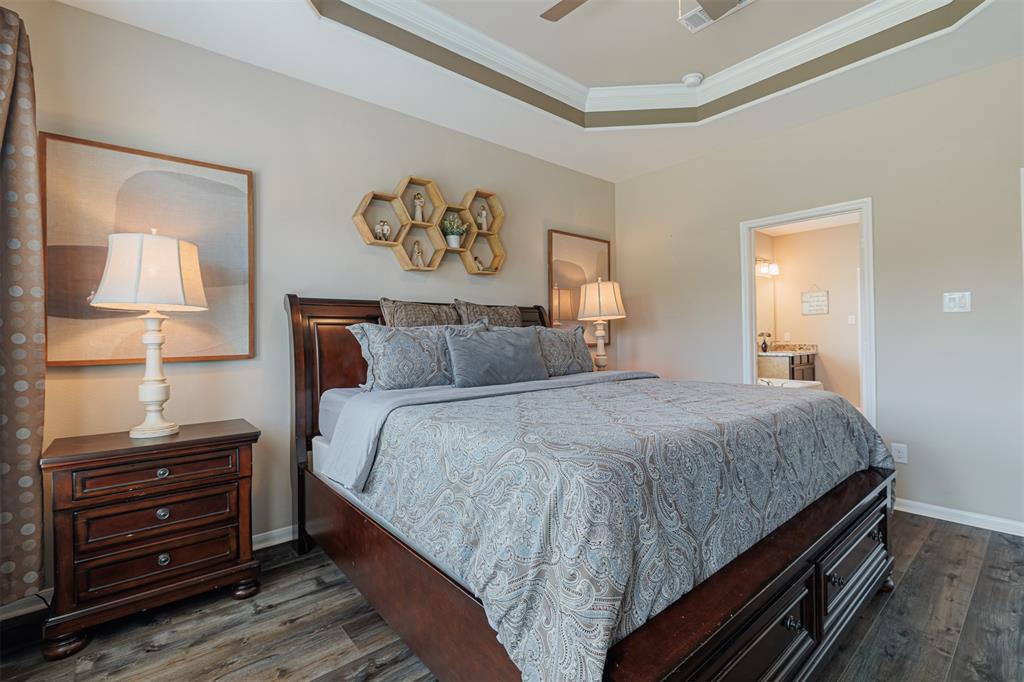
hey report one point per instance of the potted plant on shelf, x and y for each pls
(453, 229)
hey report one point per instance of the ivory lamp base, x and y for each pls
(154, 389)
(144, 430)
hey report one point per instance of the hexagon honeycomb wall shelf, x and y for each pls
(401, 206)
(487, 226)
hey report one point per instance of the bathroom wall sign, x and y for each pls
(814, 303)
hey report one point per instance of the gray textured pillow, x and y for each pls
(498, 356)
(564, 351)
(404, 357)
(497, 315)
(409, 314)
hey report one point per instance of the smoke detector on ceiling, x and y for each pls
(698, 18)
(692, 80)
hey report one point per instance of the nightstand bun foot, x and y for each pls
(249, 587)
(888, 585)
(63, 646)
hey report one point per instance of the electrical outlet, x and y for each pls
(787, 337)
(956, 302)
(899, 452)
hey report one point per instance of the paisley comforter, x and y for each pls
(577, 513)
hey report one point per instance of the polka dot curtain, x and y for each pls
(21, 321)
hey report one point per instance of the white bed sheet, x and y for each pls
(331, 403)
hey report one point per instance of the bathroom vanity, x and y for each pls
(794, 361)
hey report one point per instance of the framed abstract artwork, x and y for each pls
(574, 260)
(91, 190)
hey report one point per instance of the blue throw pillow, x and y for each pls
(496, 356)
(404, 357)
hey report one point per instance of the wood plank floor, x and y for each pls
(957, 614)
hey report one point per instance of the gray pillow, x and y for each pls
(404, 357)
(498, 315)
(498, 356)
(409, 314)
(564, 351)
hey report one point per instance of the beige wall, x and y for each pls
(314, 153)
(829, 260)
(942, 166)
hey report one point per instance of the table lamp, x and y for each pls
(151, 273)
(600, 302)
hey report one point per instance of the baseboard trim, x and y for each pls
(273, 537)
(996, 523)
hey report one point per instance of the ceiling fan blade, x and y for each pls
(561, 9)
(716, 8)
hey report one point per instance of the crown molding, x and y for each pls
(443, 29)
(434, 25)
(845, 30)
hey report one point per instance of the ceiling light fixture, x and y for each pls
(708, 12)
(692, 80)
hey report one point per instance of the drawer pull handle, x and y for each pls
(792, 623)
(163, 559)
(163, 513)
(163, 472)
(837, 580)
(876, 535)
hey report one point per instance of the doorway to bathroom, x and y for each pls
(808, 301)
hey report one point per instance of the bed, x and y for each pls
(774, 606)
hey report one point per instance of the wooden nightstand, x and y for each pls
(142, 522)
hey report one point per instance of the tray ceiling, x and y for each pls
(337, 57)
(862, 31)
(639, 42)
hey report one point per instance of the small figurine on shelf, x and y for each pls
(481, 217)
(417, 207)
(417, 255)
(479, 263)
(383, 230)
(764, 336)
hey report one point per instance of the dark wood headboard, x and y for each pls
(326, 355)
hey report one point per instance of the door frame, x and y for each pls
(867, 291)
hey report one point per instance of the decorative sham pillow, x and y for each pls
(409, 314)
(564, 351)
(486, 357)
(497, 315)
(404, 357)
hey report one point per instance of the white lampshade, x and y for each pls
(601, 301)
(150, 272)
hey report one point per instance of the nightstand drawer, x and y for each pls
(156, 562)
(153, 474)
(132, 521)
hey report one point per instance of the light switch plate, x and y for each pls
(787, 337)
(851, 319)
(899, 452)
(956, 302)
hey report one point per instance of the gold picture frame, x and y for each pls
(91, 189)
(573, 260)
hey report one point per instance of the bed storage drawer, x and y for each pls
(779, 640)
(846, 566)
(155, 562)
(126, 522)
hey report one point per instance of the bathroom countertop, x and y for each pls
(789, 349)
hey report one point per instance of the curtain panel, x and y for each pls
(22, 357)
